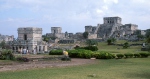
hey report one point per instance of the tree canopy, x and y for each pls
(85, 35)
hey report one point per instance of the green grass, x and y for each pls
(102, 46)
(133, 68)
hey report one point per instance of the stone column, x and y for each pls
(37, 49)
(41, 48)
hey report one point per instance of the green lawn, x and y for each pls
(132, 68)
(102, 46)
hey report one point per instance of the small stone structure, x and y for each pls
(6, 38)
(29, 40)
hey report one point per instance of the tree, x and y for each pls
(147, 35)
(46, 39)
(148, 40)
(137, 32)
(91, 42)
(140, 37)
(111, 40)
(2, 44)
(126, 45)
(85, 35)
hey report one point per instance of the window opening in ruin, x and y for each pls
(25, 37)
(108, 21)
(39, 48)
(13, 48)
(116, 28)
(54, 31)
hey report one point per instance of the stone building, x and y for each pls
(112, 27)
(6, 38)
(29, 39)
(63, 37)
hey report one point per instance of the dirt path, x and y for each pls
(44, 64)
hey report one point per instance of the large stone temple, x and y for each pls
(29, 40)
(112, 27)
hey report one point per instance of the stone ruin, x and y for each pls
(112, 27)
(29, 41)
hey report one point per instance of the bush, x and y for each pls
(66, 59)
(120, 56)
(22, 59)
(103, 55)
(137, 55)
(56, 52)
(92, 48)
(128, 55)
(126, 45)
(84, 54)
(7, 55)
(73, 53)
(80, 53)
(144, 55)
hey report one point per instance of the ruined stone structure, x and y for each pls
(6, 38)
(112, 27)
(29, 38)
(63, 37)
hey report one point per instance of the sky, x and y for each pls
(71, 15)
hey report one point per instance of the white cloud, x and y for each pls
(67, 13)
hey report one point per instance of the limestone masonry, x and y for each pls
(112, 27)
(29, 38)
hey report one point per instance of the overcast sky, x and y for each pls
(71, 15)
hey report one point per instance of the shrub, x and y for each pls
(56, 52)
(73, 53)
(126, 45)
(120, 56)
(66, 59)
(128, 55)
(85, 53)
(80, 53)
(92, 48)
(144, 55)
(103, 55)
(22, 59)
(79, 47)
(137, 55)
(7, 55)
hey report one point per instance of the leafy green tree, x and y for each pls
(140, 37)
(126, 45)
(85, 35)
(138, 33)
(90, 42)
(148, 40)
(147, 35)
(2, 44)
(111, 40)
(46, 39)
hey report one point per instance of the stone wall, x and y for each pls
(56, 29)
(30, 33)
(6, 38)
